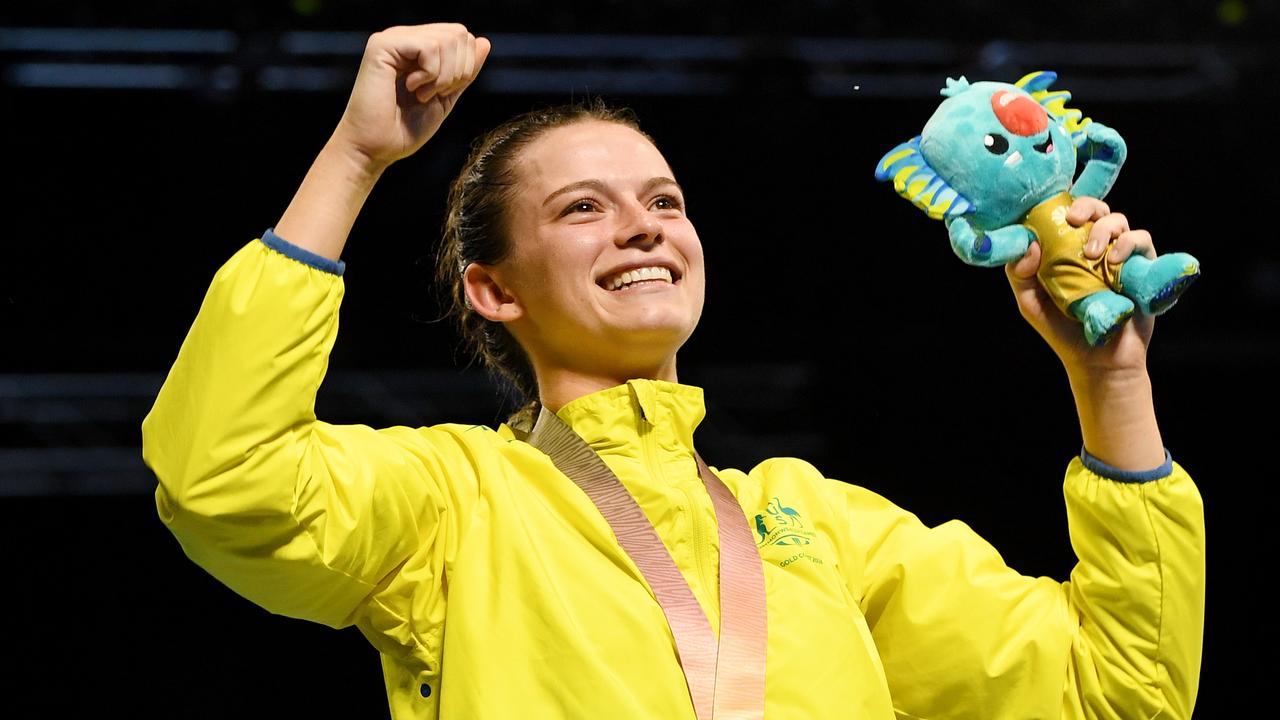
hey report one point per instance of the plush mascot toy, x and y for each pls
(996, 164)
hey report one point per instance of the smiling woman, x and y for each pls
(582, 560)
(569, 261)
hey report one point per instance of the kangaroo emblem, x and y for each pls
(781, 525)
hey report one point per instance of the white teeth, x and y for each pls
(621, 280)
(1013, 159)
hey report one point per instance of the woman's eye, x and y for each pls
(581, 206)
(666, 202)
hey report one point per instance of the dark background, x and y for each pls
(839, 327)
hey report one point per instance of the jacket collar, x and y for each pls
(618, 419)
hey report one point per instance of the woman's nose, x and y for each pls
(641, 228)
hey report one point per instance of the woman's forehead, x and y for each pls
(590, 150)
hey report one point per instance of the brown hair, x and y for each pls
(476, 230)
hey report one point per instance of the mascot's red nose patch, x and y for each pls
(1018, 113)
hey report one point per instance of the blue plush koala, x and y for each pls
(995, 162)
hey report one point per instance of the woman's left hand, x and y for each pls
(1128, 349)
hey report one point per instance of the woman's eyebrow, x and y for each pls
(599, 187)
(659, 181)
(580, 185)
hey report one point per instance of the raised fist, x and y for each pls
(409, 80)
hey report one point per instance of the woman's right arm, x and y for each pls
(409, 80)
(301, 516)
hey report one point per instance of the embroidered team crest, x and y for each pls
(782, 525)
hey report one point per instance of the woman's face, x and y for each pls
(605, 266)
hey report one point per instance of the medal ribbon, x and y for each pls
(725, 677)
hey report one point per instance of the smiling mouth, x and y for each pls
(638, 276)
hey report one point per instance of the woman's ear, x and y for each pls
(488, 295)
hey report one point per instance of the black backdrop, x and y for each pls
(872, 351)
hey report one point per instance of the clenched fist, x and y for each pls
(409, 80)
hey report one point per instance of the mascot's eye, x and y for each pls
(1046, 146)
(996, 144)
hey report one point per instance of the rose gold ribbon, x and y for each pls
(725, 677)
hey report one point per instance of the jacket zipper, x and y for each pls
(694, 511)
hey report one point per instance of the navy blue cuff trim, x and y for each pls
(1130, 476)
(288, 249)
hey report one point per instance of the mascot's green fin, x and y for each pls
(916, 181)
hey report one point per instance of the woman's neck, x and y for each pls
(558, 387)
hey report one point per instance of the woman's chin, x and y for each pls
(653, 327)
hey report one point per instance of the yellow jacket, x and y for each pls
(494, 589)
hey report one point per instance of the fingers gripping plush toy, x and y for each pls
(996, 163)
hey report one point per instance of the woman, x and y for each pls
(493, 586)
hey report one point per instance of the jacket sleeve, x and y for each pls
(300, 516)
(962, 635)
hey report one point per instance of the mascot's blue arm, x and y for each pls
(988, 249)
(1106, 152)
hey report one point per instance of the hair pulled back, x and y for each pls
(477, 230)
